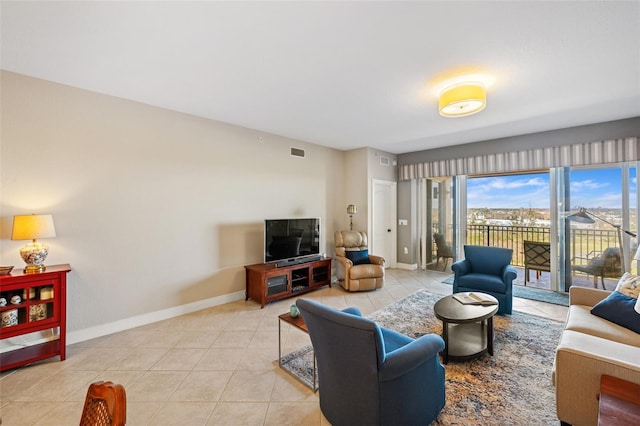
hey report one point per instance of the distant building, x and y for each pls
(499, 222)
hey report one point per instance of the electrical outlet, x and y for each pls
(406, 250)
(402, 222)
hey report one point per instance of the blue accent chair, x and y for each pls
(488, 270)
(369, 375)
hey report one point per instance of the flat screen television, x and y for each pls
(290, 240)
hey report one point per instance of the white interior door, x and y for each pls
(383, 236)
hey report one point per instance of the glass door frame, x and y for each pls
(561, 194)
(560, 227)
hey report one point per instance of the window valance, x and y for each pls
(592, 153)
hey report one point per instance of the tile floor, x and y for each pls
(212, 367)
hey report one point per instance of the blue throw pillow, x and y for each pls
(618, 308)
(358, 257)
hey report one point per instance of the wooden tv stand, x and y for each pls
(266, 282)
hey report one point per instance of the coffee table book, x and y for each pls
(471, 298)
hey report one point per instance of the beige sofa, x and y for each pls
(590, 346)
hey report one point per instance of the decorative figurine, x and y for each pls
(293, 310)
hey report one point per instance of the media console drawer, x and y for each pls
(265, 282)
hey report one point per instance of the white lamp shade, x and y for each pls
(32, 227)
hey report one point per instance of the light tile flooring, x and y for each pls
(212, 367)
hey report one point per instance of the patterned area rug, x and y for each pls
(533, 294)
(512, 387)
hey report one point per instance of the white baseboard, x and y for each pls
(407, 266)
(151, 317)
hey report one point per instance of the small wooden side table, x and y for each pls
(619, 402)
(298, 323)
(467, 330)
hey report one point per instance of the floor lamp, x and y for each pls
(584, 216)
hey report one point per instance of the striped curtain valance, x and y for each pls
(592, 153)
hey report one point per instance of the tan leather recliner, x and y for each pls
(359, 277)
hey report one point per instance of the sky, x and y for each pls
(589, 188)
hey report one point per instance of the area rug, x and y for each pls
(512, 387)
(533, 294)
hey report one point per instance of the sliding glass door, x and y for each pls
(600, 222)
(584, 216)
(437, 226)
(513, 211)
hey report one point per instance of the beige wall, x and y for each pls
(361, 167)
(153, 209)
(355, 187)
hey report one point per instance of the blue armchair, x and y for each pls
(369, 375)
(488, 270)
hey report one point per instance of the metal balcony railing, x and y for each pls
(585, 243)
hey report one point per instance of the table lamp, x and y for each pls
(32, 227)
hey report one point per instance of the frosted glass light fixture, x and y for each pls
(32, 227)
(462, 99)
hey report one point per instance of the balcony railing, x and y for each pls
(585, 243)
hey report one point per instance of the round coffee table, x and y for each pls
(467, 330)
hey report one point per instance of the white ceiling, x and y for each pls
(342, 74)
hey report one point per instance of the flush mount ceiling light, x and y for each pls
(462, 99)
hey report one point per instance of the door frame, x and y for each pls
(391, 260)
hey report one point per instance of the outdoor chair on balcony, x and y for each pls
(443, 250)
(488, 270)
(537, 256)
(606, 265)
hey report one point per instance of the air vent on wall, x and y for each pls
(384, 161)
(297, 152)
